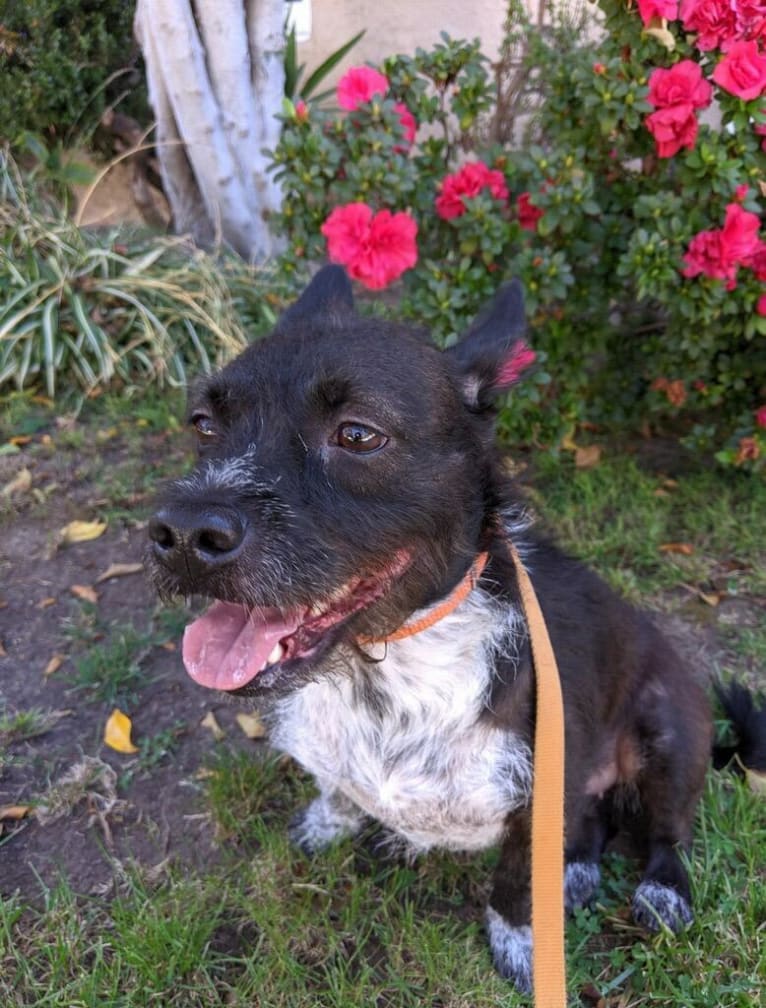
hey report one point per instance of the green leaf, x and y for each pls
(322, 71)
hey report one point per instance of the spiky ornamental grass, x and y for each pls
(83, 309)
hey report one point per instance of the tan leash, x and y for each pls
(548, 962)
(548, 959)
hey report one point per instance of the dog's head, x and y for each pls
(344, 480)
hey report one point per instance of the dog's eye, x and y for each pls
(357, 438)
(204, 427)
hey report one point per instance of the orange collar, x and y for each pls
(453, 600)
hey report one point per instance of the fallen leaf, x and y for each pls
(587, 456)
(20, 483)
(14, 811)
(686, 549)
(709, 598)
(117, 570)
(251, 725)
(169, 645)
(209, 721)
(82, 531)
(20, 440)
(54, 665)
(46, 603)
(117, 732)
(85, 593)
(756, 781)
(3, 652)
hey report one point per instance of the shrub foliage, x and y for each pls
(630, 207)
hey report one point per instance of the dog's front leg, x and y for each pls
(509, 910)
(327, 819)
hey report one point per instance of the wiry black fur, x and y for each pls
(279, 513)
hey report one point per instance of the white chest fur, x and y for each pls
(422, 761)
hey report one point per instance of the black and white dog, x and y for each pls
(348, 480)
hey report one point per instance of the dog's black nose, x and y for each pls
(196, 541)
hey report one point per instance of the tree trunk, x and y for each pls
(216, 77)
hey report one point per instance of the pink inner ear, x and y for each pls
(519, 357)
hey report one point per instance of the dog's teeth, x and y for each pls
(276, 655)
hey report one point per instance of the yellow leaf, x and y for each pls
(209, 721)
(117, 570)
(46, 603)
(82, 531)
(251, 725)
(20, 483)
(53, 665)
(85, 593)
(14, 811)
(117, 732)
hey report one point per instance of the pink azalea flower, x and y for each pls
(682, 84)
(409, 124)
(739, 237)
(673, 127)
(714, 21)
(465, 184)
(742, 71)
(650, 9)
(528, 213)
(375, 248)
(760, 413)
(706, 255)
(359, 85)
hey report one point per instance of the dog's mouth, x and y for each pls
(233, 646)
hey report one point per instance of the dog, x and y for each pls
(348, 480)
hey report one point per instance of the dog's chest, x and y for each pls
(419, 758)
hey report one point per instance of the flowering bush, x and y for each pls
(632, 211)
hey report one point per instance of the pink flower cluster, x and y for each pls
(361, 84)
(473, 178)
(721, 23)
(375, 248)
(719, 253)
(738, 29)
(677, 94)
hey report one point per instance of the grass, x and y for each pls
(265, 926)
(274, 929)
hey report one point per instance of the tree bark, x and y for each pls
(216, 77)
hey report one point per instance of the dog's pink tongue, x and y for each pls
(228, 645)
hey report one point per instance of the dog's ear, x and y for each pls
(329, 291)
(493, 353)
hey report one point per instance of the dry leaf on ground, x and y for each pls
(117, 732)
(14, 811)
(684, 548)
(251, 725)
(117, 570)
(82, 531)
(85, 593)
(21, 483)
(210, 721)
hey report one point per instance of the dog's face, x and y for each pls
(340, 486)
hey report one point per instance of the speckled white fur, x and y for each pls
(424, 763)
(511, 950)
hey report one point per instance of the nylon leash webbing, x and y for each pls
(548, 959)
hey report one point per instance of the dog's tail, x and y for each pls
(747, 716)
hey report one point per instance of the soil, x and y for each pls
(151, 809)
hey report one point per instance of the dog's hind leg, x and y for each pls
(676, 752)
(327, 819)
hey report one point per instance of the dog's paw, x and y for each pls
(321, 824)
(581, 881)
(655, 905)
(511, 950)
